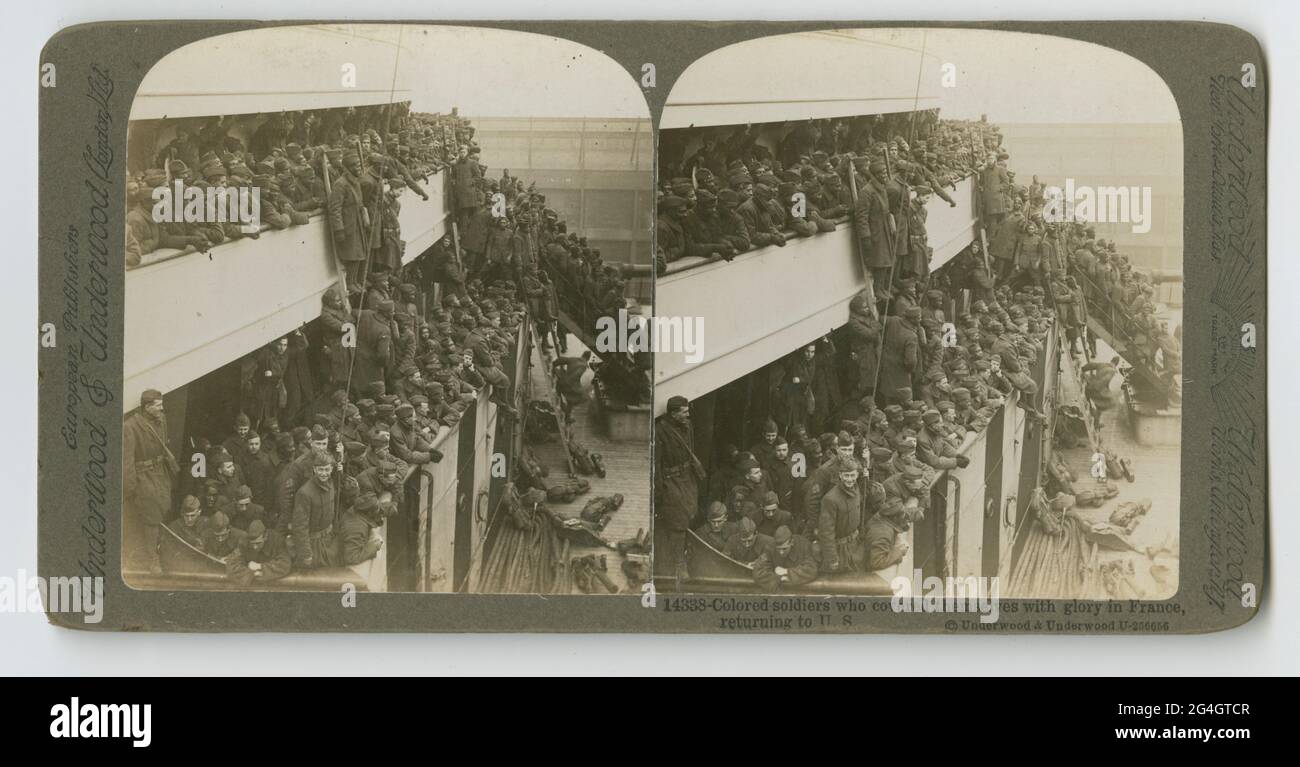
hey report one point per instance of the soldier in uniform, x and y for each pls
(150, 470)
(885, 544)
(790, 562)
(677, 476)
(900, 354)
(839, 525)
(262, 557)
(269, 392)
(770, 516)
(716, 529)
(347, 217)
(359, 537)
(190, 525)
(312, 522)
(746, 544)
(220, 540)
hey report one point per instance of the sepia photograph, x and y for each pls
(941, 274)
(366, 269)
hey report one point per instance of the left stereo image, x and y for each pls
(367, 269)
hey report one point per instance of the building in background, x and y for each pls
(1115, 154)
(594, 173)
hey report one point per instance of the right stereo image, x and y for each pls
(934, 282)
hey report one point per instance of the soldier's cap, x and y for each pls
(672, 202)
(727, 198)
(911, 414)
(677, 402)
(189, 504)
(150, 395)
(220, 456)
(770, 499)
(905, 441)
(913, 472)
(213, 169)
(982, 364)
(881, 454)
(243, 493)
(318, 433)
(367, 503)
(717, 511)
(220, 522)
(740, 177)
(354, 449)
(706, 198)
(284, 441)
(405, 409)
(747, 527)
(419, 399)
(931, 415)
(385, 409)
(366, 406)
(842, 464)
(435, 388)
(935, 375)
(787, 189)
(894, 412)
(892, 505)
(768, 179)
(844, 439)
(947, 404)
(747, 463)
(912, 312)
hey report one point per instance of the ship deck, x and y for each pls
(1157, 470)
(627, 466)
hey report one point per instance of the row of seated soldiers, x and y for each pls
(735, 200)
(319, 491)
(288, 175)
(845, 498)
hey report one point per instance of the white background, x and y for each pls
(28, 645)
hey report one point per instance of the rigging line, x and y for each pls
(376, 223)
(916, 97)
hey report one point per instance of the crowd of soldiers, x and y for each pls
(334, 160)
(299, 491)
(733, 193)
(299, 483)
(858, 424)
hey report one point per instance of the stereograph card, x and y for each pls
(832, 327)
